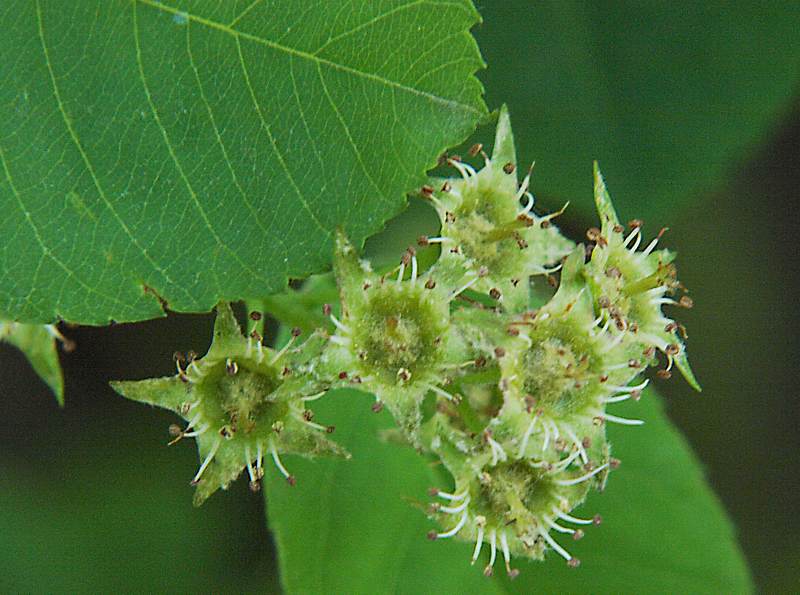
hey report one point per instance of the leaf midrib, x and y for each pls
(319, 61)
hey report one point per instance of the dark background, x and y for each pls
(740, 257)
(91, 498)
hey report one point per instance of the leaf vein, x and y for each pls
(273, 144)
(84, 156)
(46, 252)
(242, 14)
(450, 103)
(346, 129)
(221, 144)
(366, 24)
(177, 163)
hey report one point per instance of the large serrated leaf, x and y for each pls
(187, 151)
(353, 526)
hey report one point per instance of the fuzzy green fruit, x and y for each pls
(490, 242)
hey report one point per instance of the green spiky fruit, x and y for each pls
(243, 403)
(560, 371)
(392, 337)
(512, 503)
(491, 242)
(631, 286)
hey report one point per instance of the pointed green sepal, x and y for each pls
(168, 392)
(504, 151)
(682, 363)
(608, 215)
(351, 272)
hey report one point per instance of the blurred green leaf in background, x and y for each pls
(672, 98)
(667, 95)
(359, 526)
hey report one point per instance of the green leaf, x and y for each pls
(38, 343)
(179, 152)
(666, 95)
(92, 518)
(358, 526)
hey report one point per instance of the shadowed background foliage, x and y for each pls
(694, 116)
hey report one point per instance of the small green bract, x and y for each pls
(512, 400)
(39, 343)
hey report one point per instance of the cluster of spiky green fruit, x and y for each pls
(511, 399)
